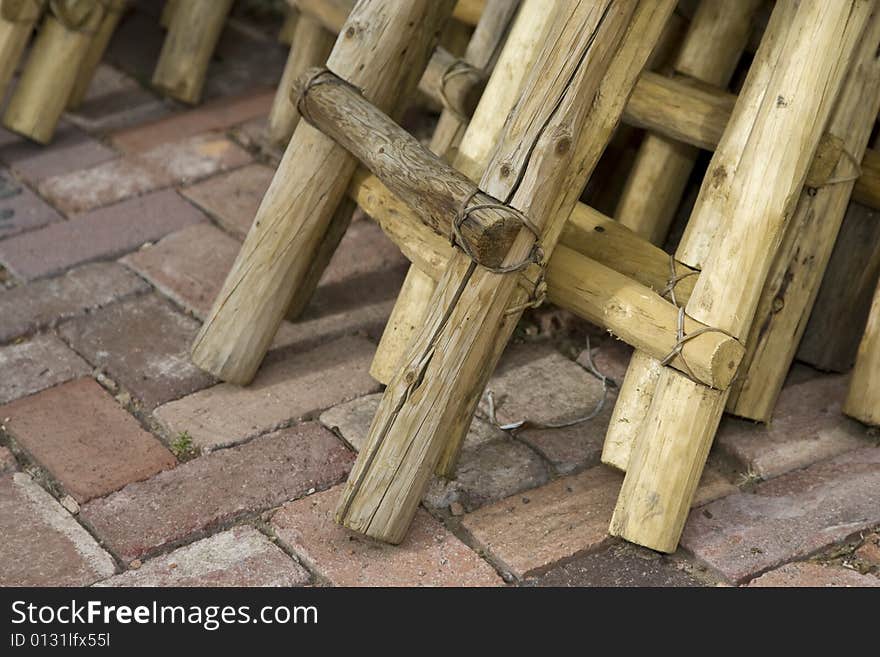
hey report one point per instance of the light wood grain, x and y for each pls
(634, 401)
(794, 279)
(594, 289)
(757, 196)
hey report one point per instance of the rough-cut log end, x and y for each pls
(725, 363)
(229, 360)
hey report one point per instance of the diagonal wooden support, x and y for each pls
(551, 144)
(51, 69)
(383, 52)
(797, 271)
(17, 20)
(714, 43)
(749, 201)
(450, 81)
(193, 34)
(469, 153)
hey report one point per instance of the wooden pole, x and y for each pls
(781, 133)
(288, 27)
(797, 271)
(168, 11)
(189, 45)
(551, 143)
(311, 46)
(114, 11)
(51, 69)
(712, 48)
(471, 156)
(863, 399)
(17, 20)
(384, 54)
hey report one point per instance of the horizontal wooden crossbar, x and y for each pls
(618, 292)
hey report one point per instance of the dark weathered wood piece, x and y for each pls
(424, 181)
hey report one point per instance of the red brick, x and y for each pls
(42, 544)
(71, 149)
(143, 344)
(241, 556)
(233, 198)
(532, 531)
(808, 426)
(131, 175)
(21, 209)
(286, 388)
(105, 184)
(558, 390)
(617, 565)
(114, 102)
(787, 518)
(42, 304)
(215, 115)
(85, 439)
(201, 494)
(814, 575)
(37, 364)
(491, 465)
(429, 555)
(7, 461)
(188, 266)
(105, 233)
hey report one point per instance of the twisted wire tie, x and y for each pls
(536, 255)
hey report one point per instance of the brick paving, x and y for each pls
(122, 464)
